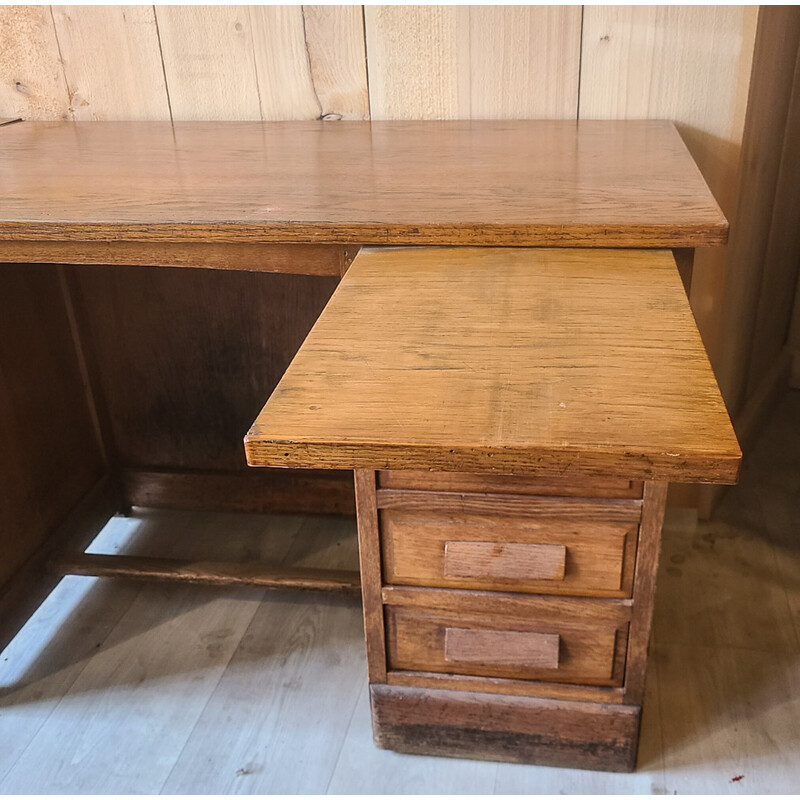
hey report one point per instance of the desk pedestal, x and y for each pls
(507, 617)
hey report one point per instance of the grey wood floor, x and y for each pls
(116, 687)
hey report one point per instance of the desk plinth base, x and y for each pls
(528, 730)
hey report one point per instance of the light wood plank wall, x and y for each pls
(690, 64)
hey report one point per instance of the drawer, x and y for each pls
(548, 554)
(508, 484)
(532, 646)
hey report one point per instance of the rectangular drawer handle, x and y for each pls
(510, 648)
(505, 560)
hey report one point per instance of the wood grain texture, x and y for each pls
(213, 573)
(781, 264)
(280, 491)
(546, 555)
(487, 560)
(186, 358)
(567, 611)
(513, 648)
(369, 554)
(32, 83)
(209, 62)
(690, 64)
(112, 62)
(296, 259)
(485, 726)
(774, 62)
(505, 361)
(49, 453)
(506, 686)
(655, 497)
(497, 645)
(510, 505)
(334, 37)
(352, 182)
(264, 62)
(424, 480)
(441, 62)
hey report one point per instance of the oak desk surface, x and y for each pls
(564, 362)
(551, 183)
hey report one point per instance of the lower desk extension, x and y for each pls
(513, 417)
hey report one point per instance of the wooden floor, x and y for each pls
(145, 688)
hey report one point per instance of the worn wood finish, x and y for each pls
(260, 491)
(250, 257)
(550, 610)
(500, 645)
(505, 728)
(185, 359)
(369, 554)
(781, 265)
(508, 504)
(512, 648)
(352, 182)
(508, 686)
(543, 555)
(209, 573)
(770, 98)
(655, 498)
(503, 360)
(510, 560)
(507, 484)
(49, 453)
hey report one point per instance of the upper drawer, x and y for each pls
(507, 484)
(541, 554)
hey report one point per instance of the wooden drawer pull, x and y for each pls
(499, 560)
(510, 648)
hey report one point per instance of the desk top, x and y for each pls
(562, 362)
(544, 183)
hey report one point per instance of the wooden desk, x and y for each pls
(134, 386)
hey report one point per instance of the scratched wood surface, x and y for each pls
(497, 360)
(481, 182)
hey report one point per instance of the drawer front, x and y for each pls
(499, 646)
(538, 555)
(508, 484)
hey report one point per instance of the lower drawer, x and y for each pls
(507, 645)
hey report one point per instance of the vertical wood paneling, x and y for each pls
(690, 64)
(770, 97)
(482, 62)
(209, 62)
(782, 258)
(264, 62)
(338, 59)
(283, 72)
(112, 62)
(32, 81)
